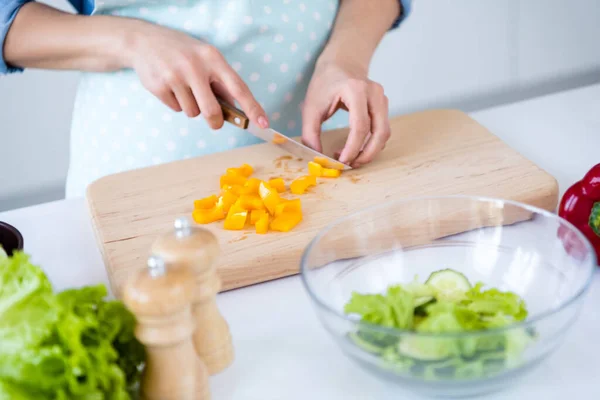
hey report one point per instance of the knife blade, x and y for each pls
(238, 118)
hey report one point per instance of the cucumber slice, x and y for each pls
(449, 284)
(419, 301)
(364, 344)
(425, 349)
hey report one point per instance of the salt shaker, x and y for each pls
(161, 298)
(197, 249)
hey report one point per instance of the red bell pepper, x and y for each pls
(580, 205)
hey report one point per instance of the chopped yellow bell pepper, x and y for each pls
(205, 203)
(251, 186)
(235, 189)
(226, 200)
(323, 162)
(236, 218)
(288, 206)
(262, 225)
(300, 185)
(279, 139)
(315, 169)
(277, 184)
(255, 215)
(245, 170)
(231, 179)
(206, 216)
(251, 202)
(269, 196)
(331, 173)
(286, 221)
(318, 170)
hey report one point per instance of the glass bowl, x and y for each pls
(503, 244)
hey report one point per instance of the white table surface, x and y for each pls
(282, 351)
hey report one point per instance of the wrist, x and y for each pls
(118, 41)
(333, 57)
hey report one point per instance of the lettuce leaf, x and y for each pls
(72, 344)
(493, 302)
(395, 309)
(442, 357)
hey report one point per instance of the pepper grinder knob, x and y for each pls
(197, 248)
(160, 297)
(183, 226)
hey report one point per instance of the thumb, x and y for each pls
(312, 119)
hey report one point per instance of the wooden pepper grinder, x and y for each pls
(161, 299)
(197, 248)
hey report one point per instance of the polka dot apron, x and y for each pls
(273, 44)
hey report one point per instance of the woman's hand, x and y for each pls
(183, 72)
(337, 85)
(186, 73)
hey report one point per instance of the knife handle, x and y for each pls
(234, 115)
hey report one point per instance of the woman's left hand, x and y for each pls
(335, 85)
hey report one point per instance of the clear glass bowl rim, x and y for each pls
(493, 331)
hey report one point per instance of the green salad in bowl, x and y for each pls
(445, 303)
(448, 296)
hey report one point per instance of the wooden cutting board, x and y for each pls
(437, 152)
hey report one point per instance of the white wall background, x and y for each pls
(468, 54)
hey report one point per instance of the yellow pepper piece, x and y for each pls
(251, 186)
(235, 189)
(325, 163)
(245, 170)
(286, 221)
(255, 215)
(236, 218)
(300, 185)
(288, 206)
(269, 196)
(279, 140)
(231, 179)
(315, 169)
(227, 199)
(331, 173)
(206, 216)
(251, 202)
(205, 203)
(277, 184)
(262, 225)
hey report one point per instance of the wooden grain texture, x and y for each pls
(162, 305)
(196, 249)
(436, 152)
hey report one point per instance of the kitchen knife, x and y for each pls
(238, 118)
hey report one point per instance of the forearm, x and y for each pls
(359, 27)
(44, 37)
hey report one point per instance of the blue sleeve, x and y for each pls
(406, 7)
(8, 12)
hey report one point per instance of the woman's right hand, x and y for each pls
(183, 72)
(186, 74)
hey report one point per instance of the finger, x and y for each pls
(380, 128)
(221, 92)
(186, 100)
(355, 98)
(209, 107)
(312, 120)
(240, 92)
(166, 95)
